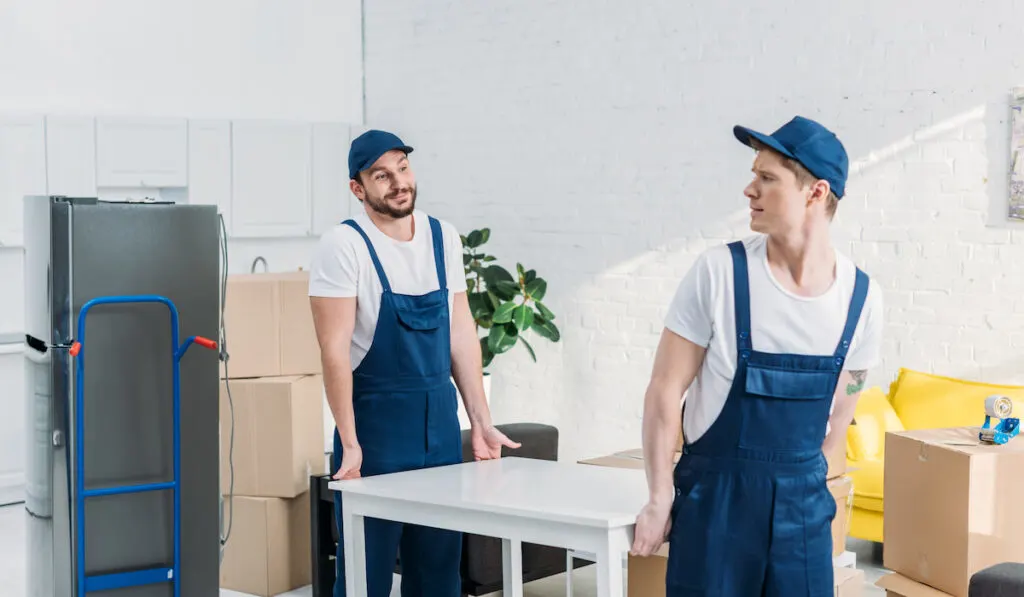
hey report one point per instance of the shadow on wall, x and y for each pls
(597, 146)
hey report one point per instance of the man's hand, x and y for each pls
(652, 527)
(351, 461)
(487, 443)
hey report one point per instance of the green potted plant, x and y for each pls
(508, 307)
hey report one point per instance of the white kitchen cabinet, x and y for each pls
(271, 171)
(209, 165)
(13, 424)
(141, 152)
(71, 155)
(12, 300)
(331, 192)
(22, 171)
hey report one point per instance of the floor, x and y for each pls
(12, 566)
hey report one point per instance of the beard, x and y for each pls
(381, 205)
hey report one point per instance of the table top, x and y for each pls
(541, 490)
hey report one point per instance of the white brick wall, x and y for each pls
(594, 138)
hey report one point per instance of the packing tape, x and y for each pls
(998, 406)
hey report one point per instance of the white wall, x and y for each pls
(229, 59)
(594, 138)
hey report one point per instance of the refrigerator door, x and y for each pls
(109, 249)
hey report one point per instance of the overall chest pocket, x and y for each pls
(422, 341)
(784, 409)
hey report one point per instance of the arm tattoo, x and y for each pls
(858, 382)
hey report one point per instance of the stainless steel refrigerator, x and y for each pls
(103, 418)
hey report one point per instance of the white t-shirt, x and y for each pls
(703, 312)
(342, 267)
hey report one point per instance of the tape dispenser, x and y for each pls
(999, 408)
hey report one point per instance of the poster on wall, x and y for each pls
(1016, 203)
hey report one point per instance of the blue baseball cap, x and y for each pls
(368, 147)
(811, 144)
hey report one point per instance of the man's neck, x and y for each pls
(400, 229)
(804, 262)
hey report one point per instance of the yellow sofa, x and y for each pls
(915, 400)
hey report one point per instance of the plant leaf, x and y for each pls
(489, 258)
(502, 338)
(485, 352)
(537, 288)
(519, 268)
(503, 314)
(522, 317)
(546, 329)
(474, 239)
(544, 311)
(495, 301)
(466, 259)
(530, 276)
(485, 235)
(529, 349)
(506, 289)
(495, 273)
(479, 304)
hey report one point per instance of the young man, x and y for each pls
(775, 333)
(388, 294)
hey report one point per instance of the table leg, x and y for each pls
(512, 567)
(355, 551)
(609, 571)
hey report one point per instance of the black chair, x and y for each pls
(1000, 580)
(481, 556)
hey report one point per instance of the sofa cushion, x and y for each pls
(868, 483)
(865, 437)
(928, 401)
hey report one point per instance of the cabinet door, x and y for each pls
(22, 172)
(141, 152)
(330, 176)
(209, 165)
(12, 424)
(270, 172)
(12, 292)
(71, 155)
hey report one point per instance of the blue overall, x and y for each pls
(406, 418)
(752, 513)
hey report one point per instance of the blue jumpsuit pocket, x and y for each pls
(786, 405)
(690, 536)
(425, 330)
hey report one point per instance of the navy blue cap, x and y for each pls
(811, 144)
(368, 147)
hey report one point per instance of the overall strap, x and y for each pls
(860, 294)
(741, 292)
(438, 241)
(373, 255)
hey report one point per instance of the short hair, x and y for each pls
(803, 176)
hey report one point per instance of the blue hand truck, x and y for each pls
(106, 582)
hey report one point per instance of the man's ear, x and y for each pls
(357, 189)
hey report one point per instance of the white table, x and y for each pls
(569, 505)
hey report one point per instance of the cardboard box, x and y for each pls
(269, 326)
(278, 423)
(267, 552)
(848, 582)
(896, 585)
(953, 506)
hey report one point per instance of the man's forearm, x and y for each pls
(660, 431)
(338, 385)
(466, 370)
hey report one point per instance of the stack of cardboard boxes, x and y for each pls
(646, 575)
(276, 395)
(953, 507)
